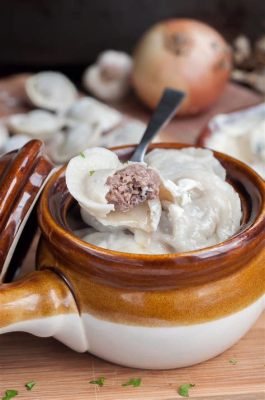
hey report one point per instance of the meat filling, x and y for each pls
(132, 186)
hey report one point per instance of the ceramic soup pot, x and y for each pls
(144, 311)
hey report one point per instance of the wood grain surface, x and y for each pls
(61, 373)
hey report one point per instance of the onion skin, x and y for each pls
(182, 54)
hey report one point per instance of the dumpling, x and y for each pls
(206, 211)
(89, 180)
(257, 142)
(120, 240)
(69, 142)
(51, 90)
(174, 164)
(94, 113)
(179, 201)
(3, 136)
(38, 124)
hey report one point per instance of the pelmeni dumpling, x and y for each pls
(15, 142)
(203, 216)
(86, 178)
(129, 132)
(118, 240)
(70, 141)
(206, 210)
(257, 141)
(94, 113)
(86, 175)
(241, 135)
(3, 136)
(174, 164)
(37, 124)
(195, 207)
(51, 90)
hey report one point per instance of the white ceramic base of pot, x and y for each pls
(167, 347)
(145, 347)
(67, 328)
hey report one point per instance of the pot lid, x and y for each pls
(23, 174)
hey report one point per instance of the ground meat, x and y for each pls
(132, 186)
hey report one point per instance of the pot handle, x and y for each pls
(42, 304)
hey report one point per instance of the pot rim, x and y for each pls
(52, 228)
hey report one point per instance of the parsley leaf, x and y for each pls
(91, 173)
(233, 361)
(10, 394)
(82, 155)
(100, 381)
(30, 385)
(183, 390)
(135, 382)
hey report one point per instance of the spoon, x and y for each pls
(164, 112)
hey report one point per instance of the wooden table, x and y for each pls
(61, 373)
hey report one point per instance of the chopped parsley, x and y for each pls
(183, 390)
(91, 173)
(30, 385)
(100, 381)
(82, 155)
(233, 361)
(135, 382)
(10, 394)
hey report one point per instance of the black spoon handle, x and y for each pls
(164, 112)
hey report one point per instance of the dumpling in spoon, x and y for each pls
(116, 194)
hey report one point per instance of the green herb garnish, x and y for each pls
(10, 394)
(135, 382)
(91, 173)
(30, 385)
(233, 361)
(100, 381)
(183, 390)
(82, 155)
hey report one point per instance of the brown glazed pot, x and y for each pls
(146, 311)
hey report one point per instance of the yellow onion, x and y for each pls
(182, 54)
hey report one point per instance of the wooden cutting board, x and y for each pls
(61, 373)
